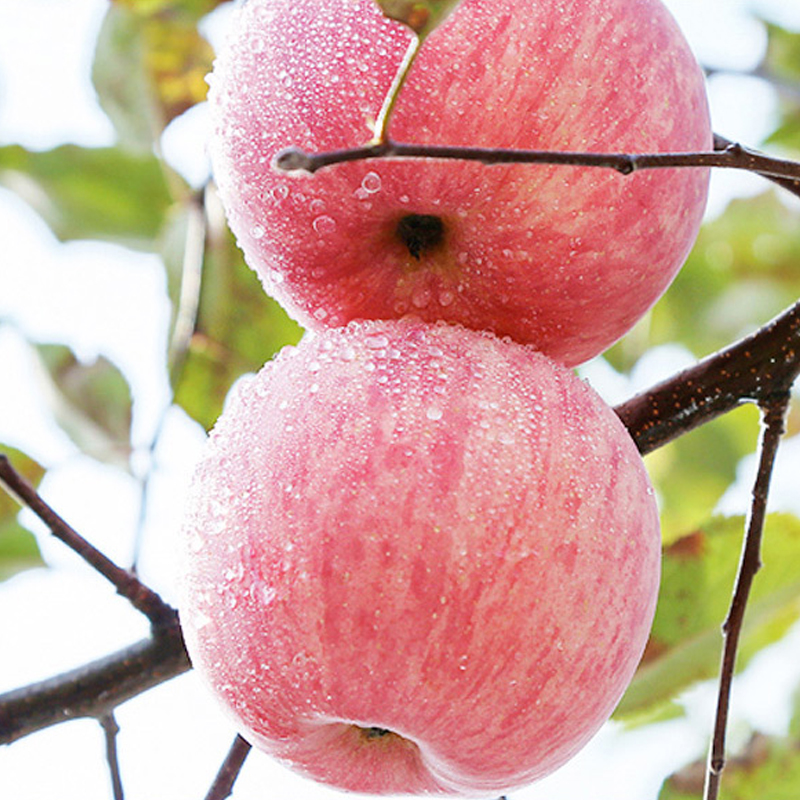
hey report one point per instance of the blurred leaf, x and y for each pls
(188, 9)
(769, 767)
(97, 193)
(692, 473)
(697, 582)
(783, 53)
(91, 402)
(238, 326)
(787, 134)
(422, 16)
(18, 548)
(741, 272)
(149, 68)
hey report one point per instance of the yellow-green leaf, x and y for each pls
(697, 582)
(91, 402)
(91, 193)
(238, 327)
(18, 548)
(422, 16)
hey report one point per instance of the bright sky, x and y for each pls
(173, 738)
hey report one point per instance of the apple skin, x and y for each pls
(564, 258)
(422, 530)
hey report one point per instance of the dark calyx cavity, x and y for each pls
(376, 733)
(420, 233)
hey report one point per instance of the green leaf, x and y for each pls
(149, 68)
(18, 548)
(97, 193)
(782, 58)
(187, 9)
(91, 402)
(238, 326)
(692, 473)
(697, 582)
(422, 16)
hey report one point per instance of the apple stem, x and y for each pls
(381, 127)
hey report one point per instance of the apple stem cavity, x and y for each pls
(420, 233)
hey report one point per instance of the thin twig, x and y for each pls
(183, 327)
(773, 427)
(140, 596)
(229, 771)
(730, 156)
(111, 729)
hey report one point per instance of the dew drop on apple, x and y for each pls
(324, 225)
(377, 342)
(371, 183)
(257, 231)
(421, 297)
(434, 413)
(280, 192)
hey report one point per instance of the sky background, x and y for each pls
(173, 738)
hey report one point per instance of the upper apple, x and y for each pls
(419, 559)
(564, 258)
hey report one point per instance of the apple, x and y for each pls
(418, 559)
(564, 258)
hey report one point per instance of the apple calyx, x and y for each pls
(375, 733)
(420, 233)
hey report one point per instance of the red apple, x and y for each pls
(564, 258)
(419, 559)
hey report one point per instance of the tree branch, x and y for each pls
(93, 689)
(110, 729)
(763, 364)
(773, 426)
(229, 771)
(140, 596)
(726, 155)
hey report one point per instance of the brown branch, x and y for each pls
(229, 771)
(110, 730)
(773, 427)
(93, 689)
(763, 364)
(140, 596)
(728, 155)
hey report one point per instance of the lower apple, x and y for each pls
(419, 559)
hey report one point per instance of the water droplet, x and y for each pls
(434, 413)
(280, 192)
(377, 342)
(371, 183)
(421, 297)
(257, 231)
(258, 44)
(324, 225)
(317, 206)
(446, 298)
